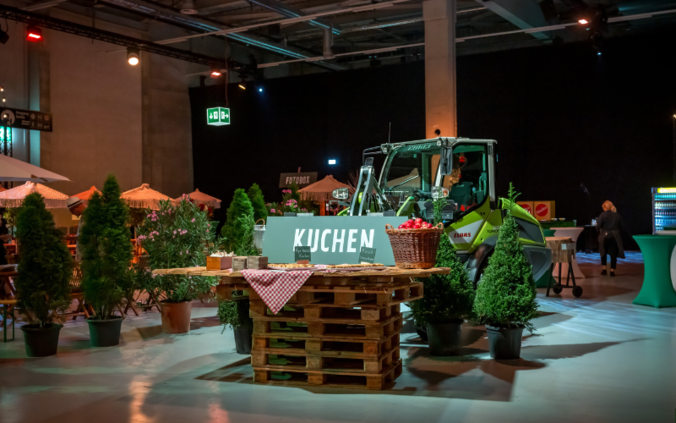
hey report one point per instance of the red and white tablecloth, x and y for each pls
(274, 287)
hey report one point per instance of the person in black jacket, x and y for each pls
(609, 224)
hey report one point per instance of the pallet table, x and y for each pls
(339, 329)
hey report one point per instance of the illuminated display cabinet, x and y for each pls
(664, 208)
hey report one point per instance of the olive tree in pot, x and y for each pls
(105, 261)
(505, 298)
(448, 298)
(236, 314)
(177, 236)
(43, 282)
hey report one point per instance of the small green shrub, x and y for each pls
(107, 250)
(448, 298)
(506, 295)
(257, 202)
(234, 313)
(239, 221)
(45, 266)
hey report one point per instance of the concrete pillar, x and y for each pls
(440, 84)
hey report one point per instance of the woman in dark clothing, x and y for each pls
(609, 224)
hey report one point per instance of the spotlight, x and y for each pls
(3, 36)
(260, 89)
(583, 21)
(188, 8)
(133, 56)
(215, 72)
(33, 33)
(332, 161)
(242, 86)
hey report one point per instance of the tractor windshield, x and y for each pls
(412, 170)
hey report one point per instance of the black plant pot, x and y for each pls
(504, 343)
(444, 338)
(41, 341)
(105, 333)
(243, 339)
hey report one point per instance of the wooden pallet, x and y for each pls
(327, 328)
(347, 347)
(364, 297)
(315, 312)
(329, 378)
(303, 361)
(389, 272)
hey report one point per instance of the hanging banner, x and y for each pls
(26, 119)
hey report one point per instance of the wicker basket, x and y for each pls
(415, 248)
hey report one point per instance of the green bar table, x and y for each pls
(658, 289)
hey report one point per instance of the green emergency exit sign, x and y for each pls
(218, 116)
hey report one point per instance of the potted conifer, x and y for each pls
(177, 236)
(260, 211)
(236, 314)
(43, 282)
(448, 298)
(105, 261)
(505, 298)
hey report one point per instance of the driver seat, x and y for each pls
(462, 193)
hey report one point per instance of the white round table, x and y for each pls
(572, 233)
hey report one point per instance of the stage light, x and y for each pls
(598, 54)
(215, 72)
(3, 36)
(332, 161)
(583, 21)
(260, 89)
(242, 86)
(133, 56)
(33, 33)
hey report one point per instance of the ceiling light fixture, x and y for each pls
(583, 21)
(133, 56)
(215, 72)
(33, 33)
(188, 8)
(242, 86)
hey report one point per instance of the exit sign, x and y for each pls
(218, 116)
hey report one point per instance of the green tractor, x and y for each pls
(463, 170)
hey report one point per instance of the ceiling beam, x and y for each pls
(524, 14)
(44, 5)
(292, 12)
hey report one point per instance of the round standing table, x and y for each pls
(572, 233)
(659, 260)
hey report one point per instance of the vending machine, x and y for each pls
(664, 208)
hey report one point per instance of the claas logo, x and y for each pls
(462, 235)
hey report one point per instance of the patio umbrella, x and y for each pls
(144, 197)
(321, 190)
(12, 169)
(84, 195)
(14, 197)
(201, 198)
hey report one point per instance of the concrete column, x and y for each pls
(440, 84)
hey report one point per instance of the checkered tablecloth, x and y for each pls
(275, 287)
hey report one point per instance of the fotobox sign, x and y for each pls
(332, 239)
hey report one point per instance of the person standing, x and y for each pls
(77, 207)
(609, 224)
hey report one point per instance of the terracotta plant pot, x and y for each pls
(176, 317)
(41, 342)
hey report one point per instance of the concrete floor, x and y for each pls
(596, 359)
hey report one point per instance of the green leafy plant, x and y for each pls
(448, 298)
(177, 236)
(506, 295)
(45, 266)
(239, 226)
(257, 202)
(106, 250)
(234, 313)
(10, 218)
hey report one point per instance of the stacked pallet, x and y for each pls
(345, 336)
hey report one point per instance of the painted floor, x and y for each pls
(595, 359)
